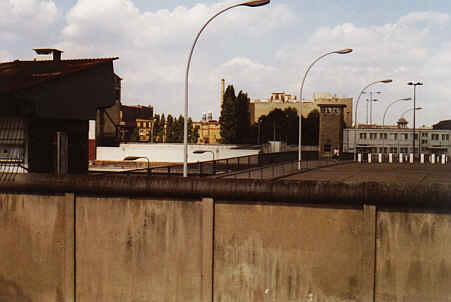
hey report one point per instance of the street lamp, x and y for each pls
(370, 101)
(414, 84)
(411, 109)
(254, 3)
(204, 151)
(383, 118)
(356, 106)
(341, 52)
(139, 157)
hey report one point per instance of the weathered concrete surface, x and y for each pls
(410, 194)
(138, 250)
(36, 248)
(271, 252)
(173, 239)
(413, 256)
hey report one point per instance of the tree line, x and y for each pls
(278, 125)
(170, 129)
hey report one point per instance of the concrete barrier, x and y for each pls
(137, 238)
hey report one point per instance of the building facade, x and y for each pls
(46, 108)
(331, 129)
(209, 130)
(392, 139)
(280, 100)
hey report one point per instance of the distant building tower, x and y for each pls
(402, 123)
(209, 116)
(204, 116)
(331, 126)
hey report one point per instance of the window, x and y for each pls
(327, 148)
(416, 136)
(445, 137)
(424, 141)
(395, 136)
(393, 150)
(362, 135)
(424, 134)
(373, 135)
(383, 135)
(434, 137)
(406, 136)
(404, 150)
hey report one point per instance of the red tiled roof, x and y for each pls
(17, 75)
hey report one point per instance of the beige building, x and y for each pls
(280, 100)
(209, 130)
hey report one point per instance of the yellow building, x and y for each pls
(209, 130)
(280, 100)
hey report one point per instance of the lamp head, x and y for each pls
(344, 51)
(405, 99)
(132, 157)
(199, 151)
(387, 81)
(415, 84)
(255, 3)
(419, 108)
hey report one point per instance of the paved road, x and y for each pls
(389, 173)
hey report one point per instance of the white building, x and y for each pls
(396, 139)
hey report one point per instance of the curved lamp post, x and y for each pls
(385, 112)
(254, 3)
(212, 153)
(411, 109)
(341, 52)
(414, 84)
(356, 106)
(139, 157)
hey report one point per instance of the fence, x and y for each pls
(223, 166)
(282, 169)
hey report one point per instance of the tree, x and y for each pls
(280, 125)
(243, 119)
(310, 129)
(193, 133)
(228, 119)
(170, 136)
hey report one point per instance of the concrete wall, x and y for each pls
(36, 253)
(172, 239)
(138, 249)
(281, 252)
(171, 153)
(413, 256)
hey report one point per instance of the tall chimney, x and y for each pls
(222, 92)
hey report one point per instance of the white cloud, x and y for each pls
(27, 14)
(153, 46)
(416, 47)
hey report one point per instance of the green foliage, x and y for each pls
(235, 118)
(284, 126)
(228, 119)
(243, 119)
(170, 130)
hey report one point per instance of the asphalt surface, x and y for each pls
(389, 173)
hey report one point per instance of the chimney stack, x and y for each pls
(222, 92)
(56, 53)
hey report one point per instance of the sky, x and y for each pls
(257, 50)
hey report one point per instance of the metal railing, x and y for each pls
(279, 170)
(219, 166)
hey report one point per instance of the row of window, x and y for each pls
(403, 136)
